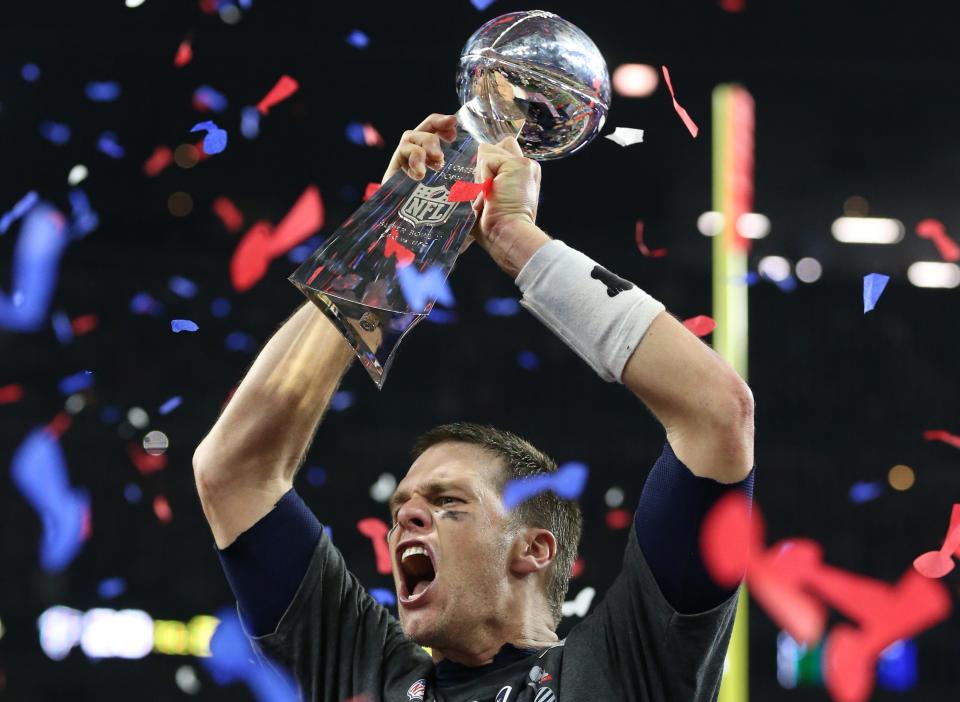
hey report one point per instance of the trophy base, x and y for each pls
(373, 333)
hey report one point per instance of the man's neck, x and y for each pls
(483, 652)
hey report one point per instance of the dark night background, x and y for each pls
(852, 99)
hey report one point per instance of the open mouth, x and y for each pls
(417, 571)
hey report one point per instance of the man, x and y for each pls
(480, 585)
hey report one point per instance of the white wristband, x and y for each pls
(597, 314)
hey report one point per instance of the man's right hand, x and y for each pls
(420, 147)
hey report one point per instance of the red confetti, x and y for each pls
(934, 230)
(146, 463)
(86, 525)
(944, 436)
(733, 5)
(393, 247)
(791, 582)
(376, 530)
(208, 7)
(618, 519)
(371, 189)
(304, 218)
(655, 253)
(184, 54)
(687, 120)
(371, 137)
(701, 325)
(262, 243)
(465, 191)
(228, 213)
(161, 508)
(284, 88)
(58, 425)
(159, 160)
(251, 258)
(936, 564)
(84, 323)
(576, 570)
(11, 393)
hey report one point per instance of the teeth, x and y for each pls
(413, 551)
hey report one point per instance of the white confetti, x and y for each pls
(77, 174)
(625, 136)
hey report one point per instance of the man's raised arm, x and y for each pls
(705, 407)
(248, 460)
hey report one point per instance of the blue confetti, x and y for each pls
(873, 286)
(30, 72)
(441, 316)
(179, 325)
(384, 597)
(183, 287)
(482, 5)
(250, 122)
(111, 587)
(110, 414)
(76, 382)
(316, 476)
(54, 132)
(144, 303)
(103, 91)
(132, 493)
(216, 139)
(39, 471)
(422, 289)
(108, 144)
(355, 133)
(503, 306)
(207, 97)
(170, 405)
(788, 284)
(232, 659)
(246, 4)
(358, 39)
(302, 252)
(342, 400)
(567, 482)
(238, 341)
(528, 360)
(861, 492)
(220, 307)
(62, 327)
(23, 206)
(85, 220)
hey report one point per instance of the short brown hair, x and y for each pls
(521, 459)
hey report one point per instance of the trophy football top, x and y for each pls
(548, 68)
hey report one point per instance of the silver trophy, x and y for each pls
(530, 75)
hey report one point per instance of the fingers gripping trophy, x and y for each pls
(528, 75)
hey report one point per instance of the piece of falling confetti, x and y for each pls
(285, 87)
(934, 230)
(181, 325)
(184, 54)
(567, 483)
(701, 325)
(936, 564)
(11, 393)
(873, 286)
(944, 436)
(421, 289)
(465, 191)
(649, 253)
(161, 157)
(170, 405)
(228, 213)
(626, 136)
(687, 120)
(22, 206)
(216, 139)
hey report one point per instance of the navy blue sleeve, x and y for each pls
(672, 508)
(267, 562)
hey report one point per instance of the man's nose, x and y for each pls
(415, 515)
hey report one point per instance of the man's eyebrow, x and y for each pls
(432, 488)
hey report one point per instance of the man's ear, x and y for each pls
(533, 551)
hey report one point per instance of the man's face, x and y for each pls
(450, 546)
